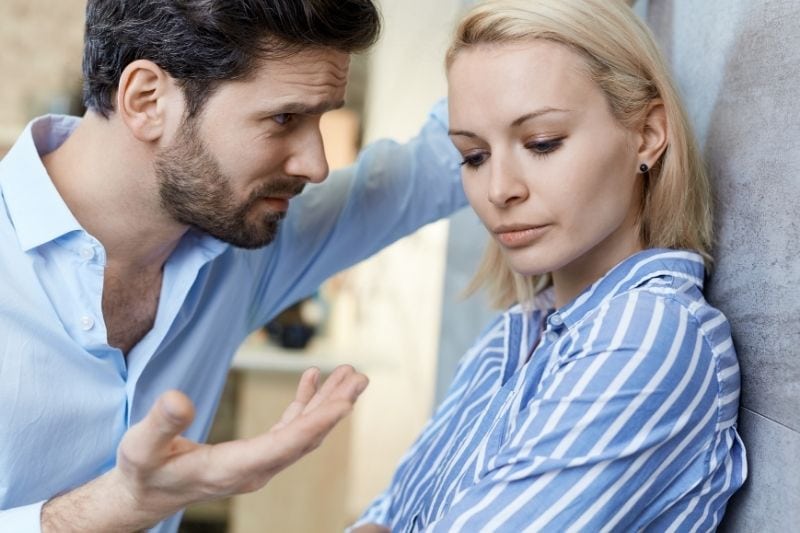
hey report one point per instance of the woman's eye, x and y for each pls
(282, 118)
(542, 148)
(474, 160)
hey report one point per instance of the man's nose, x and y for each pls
(308, 159)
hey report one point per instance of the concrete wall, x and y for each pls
(736, 62)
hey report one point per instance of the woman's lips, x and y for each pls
(519, 237)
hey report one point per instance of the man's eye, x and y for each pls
(282, 118)
(474, 160)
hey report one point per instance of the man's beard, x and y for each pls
(194, 191)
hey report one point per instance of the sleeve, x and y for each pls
(619, 429)
(391, 190)
(376, 513)
(383, 508)
(26, 519)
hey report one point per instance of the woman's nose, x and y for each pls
(506, 186)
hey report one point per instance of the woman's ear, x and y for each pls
(142, 96)
(654, 133)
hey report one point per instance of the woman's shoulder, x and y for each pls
(684, 297)
(664, 298)
(661, 320)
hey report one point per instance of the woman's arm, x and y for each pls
(615, 434)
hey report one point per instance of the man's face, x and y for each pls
(232, 169)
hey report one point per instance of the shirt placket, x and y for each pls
(86, 315)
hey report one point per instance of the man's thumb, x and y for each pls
(148, 442)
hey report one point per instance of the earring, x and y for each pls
(644, 168)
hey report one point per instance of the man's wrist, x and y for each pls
(102, 505)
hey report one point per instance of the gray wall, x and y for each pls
(737, 63)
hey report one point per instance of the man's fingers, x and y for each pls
(307, 432)
(343, 383)
(289, 440)
(147, 443)
(351, 389)
(269, 453)
(309, 383)
(246, 465)
(171, 415)
(306, 389)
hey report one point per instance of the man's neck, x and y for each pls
(105, 177)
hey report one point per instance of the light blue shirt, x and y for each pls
(623, 417)
(67, 397)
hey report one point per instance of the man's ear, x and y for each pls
(654, 133)
(142, 96)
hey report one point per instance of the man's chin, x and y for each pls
(248, 240)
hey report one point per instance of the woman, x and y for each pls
(606, 399)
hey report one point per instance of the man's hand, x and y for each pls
(158, 472)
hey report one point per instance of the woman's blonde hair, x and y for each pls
(624, 61)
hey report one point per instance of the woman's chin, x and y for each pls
(530, 266)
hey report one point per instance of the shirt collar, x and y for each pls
(632, 272)
(36, 209)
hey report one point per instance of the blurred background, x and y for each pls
(384, 315)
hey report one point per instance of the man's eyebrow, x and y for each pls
(517, 122)
(298, 108)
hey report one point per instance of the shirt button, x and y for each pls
(556, 320)
(552, 336)
(87, 323)
(87, 253)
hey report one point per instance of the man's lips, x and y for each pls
(276, 203)
(518, 236)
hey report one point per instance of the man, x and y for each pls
(143, 243)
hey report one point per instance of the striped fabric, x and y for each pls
(623, 418)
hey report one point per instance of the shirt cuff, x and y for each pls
(377, 513)
(26, 519)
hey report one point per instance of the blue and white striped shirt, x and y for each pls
(623, 418)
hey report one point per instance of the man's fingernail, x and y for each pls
(172, 411)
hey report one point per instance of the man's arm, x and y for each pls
(391, 190)
(158, 472)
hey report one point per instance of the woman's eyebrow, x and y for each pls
(516, 122)
(461, 133)
(536, 114)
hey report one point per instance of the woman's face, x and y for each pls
(547, 168)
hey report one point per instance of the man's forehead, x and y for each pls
(309, 82)
(322, 62)
(308, 108)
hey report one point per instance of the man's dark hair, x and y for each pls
(202, 43)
